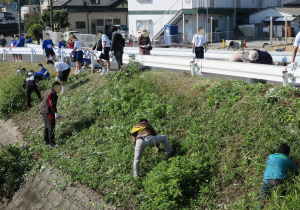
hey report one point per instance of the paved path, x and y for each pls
(46, 189)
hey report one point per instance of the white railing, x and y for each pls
(169, 58)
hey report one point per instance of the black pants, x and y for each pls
(119, 58)
(199, 51)
(29, 89)
(49, 130)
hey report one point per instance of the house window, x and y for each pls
(80, 24)
(100, 22)
(95, 1)
(143, 24)
(116, 21)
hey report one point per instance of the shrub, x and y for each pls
(14, 163)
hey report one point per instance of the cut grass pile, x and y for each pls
(223, 131)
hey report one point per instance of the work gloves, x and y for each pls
(292, 65)
(56, 116)
(102, 51)
(146, 46)
(56, 79)
(206, 49)
(112, 54)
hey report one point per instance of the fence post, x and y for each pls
(285, 78)
(32, 55)
(62, 55)
(93, 62)
(192, 66)
(4, 55)
(211, 30)
(285, 32)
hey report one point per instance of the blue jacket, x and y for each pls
(29, 41)
(61, 44)
(22, 40)
(41, 73)
(13, 42)
(278, 166)
(19, 43)
(47, 44)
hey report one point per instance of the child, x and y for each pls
(79, 54)
(49, 112)
(63, 71)
(19, 43)
(13, 42)
(41, 73)
(105, 53)
(29, 40)
(47, 46)
(62, 42)
(29, 85)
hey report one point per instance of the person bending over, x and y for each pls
(276, 173)
(29, 85)
(49, 112)
(41, 73)
(63, 71)
(143, 135)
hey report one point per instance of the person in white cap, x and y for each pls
(199, 42)
(144, 43)
(63, 71)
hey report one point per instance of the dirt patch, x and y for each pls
(9, 133)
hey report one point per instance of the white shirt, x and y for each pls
(78, 46)
(297, 40)
(105, 39)
(60, 66)
(199, 40)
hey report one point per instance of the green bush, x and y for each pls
(14, 163)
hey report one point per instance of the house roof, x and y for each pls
(94, 9)
(60, 3)
(293, 3)
(117, 3)
(289, 10)
(9, 6)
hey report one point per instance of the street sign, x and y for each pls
(15, 5)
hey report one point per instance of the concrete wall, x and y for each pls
(259, 16)
(153, 5)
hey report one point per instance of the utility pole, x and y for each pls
(19, 16)
(51, 15)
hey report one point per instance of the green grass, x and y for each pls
(223, 131)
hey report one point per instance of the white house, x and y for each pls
(8, 14)
(88, 16)
(29, 8)
(191, 14)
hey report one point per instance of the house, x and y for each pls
(191, 14)
(29, 8)
(8, 14)
(88, 16)
(262, 19)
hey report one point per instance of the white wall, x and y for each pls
(259, 16)
(151, 5)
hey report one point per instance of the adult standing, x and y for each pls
(105, 53)
(3, 41)
(47, 46)
(199, 42)
(12, 44)
(117, 45)
(144, 43)
(63, 71)
(143, 135)
(49, 112)
(29, 85)
(79, 53)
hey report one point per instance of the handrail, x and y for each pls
(164, 15)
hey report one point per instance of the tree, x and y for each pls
(45, 18)
(36, 32)
(61, 18)
(31, 19)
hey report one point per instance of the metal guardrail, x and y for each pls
(185, 63)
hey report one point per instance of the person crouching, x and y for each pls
(144, 135)
(29, 85)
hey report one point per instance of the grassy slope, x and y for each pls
(223, 132)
